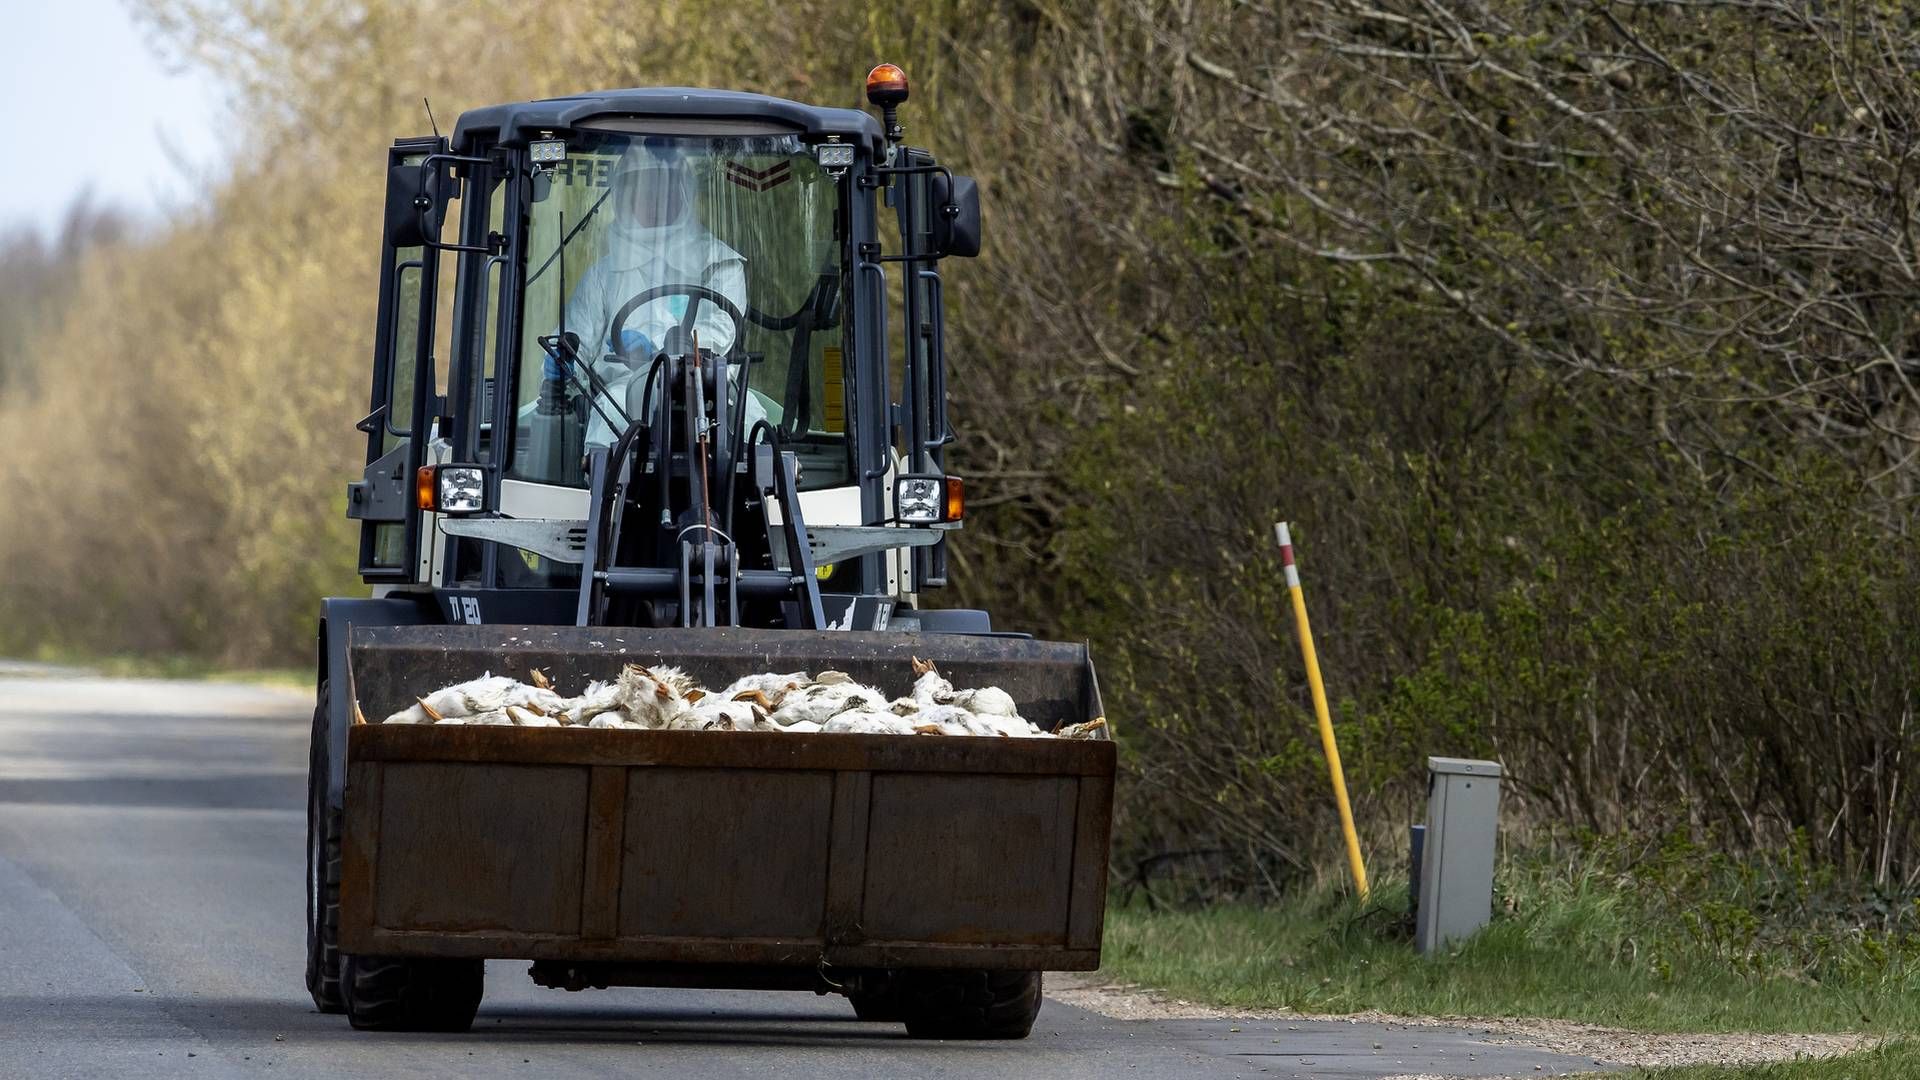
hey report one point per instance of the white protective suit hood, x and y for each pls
(673, 245)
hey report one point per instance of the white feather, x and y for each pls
(522, 717)
(985, 701)
(599, 698)
(412, 714)
(774, 686)
(867, 722)
(951, 720)
(1013, 727)
(820, 702)
(931, 689)
(652, 699)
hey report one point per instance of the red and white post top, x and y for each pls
(1286, 553)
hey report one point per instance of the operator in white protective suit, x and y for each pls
(654, 240)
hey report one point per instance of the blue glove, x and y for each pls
(634, 343)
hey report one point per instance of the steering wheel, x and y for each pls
(694, 294)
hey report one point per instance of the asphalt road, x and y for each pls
(151, 924)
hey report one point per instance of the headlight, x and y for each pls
(919, 500)
(463, 490)
(834, 155)
(928, 500)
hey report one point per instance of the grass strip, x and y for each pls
(1585, 950)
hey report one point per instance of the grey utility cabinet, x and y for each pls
(1456, 871)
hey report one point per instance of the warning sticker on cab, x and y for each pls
(834, 401)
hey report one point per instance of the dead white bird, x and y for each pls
(717, 714)
(1089, 730)
(868, 722)
(457, 701)
(654, 698)
(488, 693)
(774, 687)
(986, 701)
(527, 717)
(830, 693)
(681, 682)
(1013, 727)
(951, 720)
(932, 688)
(612, 718)
(599, 698)
(519, 695)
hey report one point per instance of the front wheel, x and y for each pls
(323, 873)
(878, 1006)
(969, 1004)
(398, 994)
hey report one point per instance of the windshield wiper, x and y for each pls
(568, 238)
(564, 349)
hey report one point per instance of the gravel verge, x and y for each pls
(1124, 1001)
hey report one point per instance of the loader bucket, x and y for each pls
(633, 857)
(1053, 682)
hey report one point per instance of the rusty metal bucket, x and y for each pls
(776, 851)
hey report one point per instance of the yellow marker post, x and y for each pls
(1320, 709)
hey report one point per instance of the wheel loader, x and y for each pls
(704, 427)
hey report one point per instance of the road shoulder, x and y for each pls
(1595, 1044)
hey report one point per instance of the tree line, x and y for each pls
(1577, 340)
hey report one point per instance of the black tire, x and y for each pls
(969, 1004)
(391, 994)
(323, 873)
(879, 1006)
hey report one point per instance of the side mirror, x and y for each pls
(413, 205)
(956, 215)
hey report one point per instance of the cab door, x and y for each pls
(403, 401)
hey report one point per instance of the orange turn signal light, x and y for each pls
(956, 499)
(886, 85)
(425, 488)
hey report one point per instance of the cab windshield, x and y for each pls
(640, 243)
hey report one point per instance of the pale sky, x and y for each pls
(89, 104)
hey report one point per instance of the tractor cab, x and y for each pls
(693, 371)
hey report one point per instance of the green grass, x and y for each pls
(1898, 1061)
(1579, 948)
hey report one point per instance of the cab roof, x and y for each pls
(519, 121)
